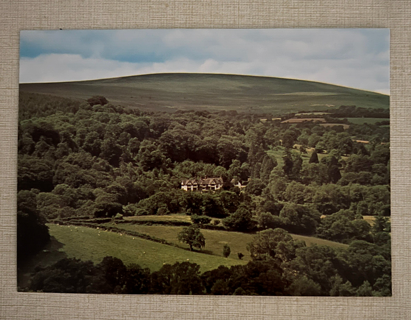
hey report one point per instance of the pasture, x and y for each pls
(216, 239)
(168, 218)
(93, 244)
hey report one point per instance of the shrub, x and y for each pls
(200, 219)
(226, 251)
(97, 100)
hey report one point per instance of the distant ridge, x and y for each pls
(194, 91)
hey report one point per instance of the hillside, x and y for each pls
(183, 91)
(147, 254)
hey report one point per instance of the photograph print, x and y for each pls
(204, 162)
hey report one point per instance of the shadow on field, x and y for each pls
(50, 254)
(207, 252)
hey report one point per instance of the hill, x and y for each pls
(187, 91)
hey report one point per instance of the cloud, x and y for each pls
(350, 57)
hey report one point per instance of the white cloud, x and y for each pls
(70, 67)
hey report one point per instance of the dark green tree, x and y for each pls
(226, 251)
(240, 220)
(269, 163)
(192, 236)
(277, 244)
(97, 100)
(179, 278)
(314, 157)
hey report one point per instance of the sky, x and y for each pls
(357, 58)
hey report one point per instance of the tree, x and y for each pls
(255, 186)
(226, 251)
(35, 173)
(269, 163)
(343, 226)
(314, 172)
(289, 138)
(192, 236)
(288, 163)
(137, 280)
(66, 275)
(334, 173)
(299, 218)
(97, 100)
(303, 286)
(32, 233)
(240, 220)
(111, 151)
(364, 290)
(179, 278)
(114, 272)
(272, 244)
(314, 157)
(292, 164)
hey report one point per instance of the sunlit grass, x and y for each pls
(216, 239)
(94, 244)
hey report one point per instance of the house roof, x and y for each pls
(204, 181)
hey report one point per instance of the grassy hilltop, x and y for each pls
(183, 91)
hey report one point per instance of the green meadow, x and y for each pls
(95, 244)
(216, 239)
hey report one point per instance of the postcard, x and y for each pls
(204, 161)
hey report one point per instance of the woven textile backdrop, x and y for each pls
(16, 15)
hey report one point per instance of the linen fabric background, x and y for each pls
(16, 15)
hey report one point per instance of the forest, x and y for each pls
(92, 162)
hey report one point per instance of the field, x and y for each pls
(172, 217)
(216, 239)
(92, 244)
(214, 92)
(367, 120)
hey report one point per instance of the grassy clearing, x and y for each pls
(371, 219)
(216, 239)
(92, 244)
(171, 217)
(278, 153)
(214, 92)
(309, 241)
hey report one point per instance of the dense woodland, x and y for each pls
(93, 159)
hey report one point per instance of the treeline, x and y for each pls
(359, 112)
(279, 266)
